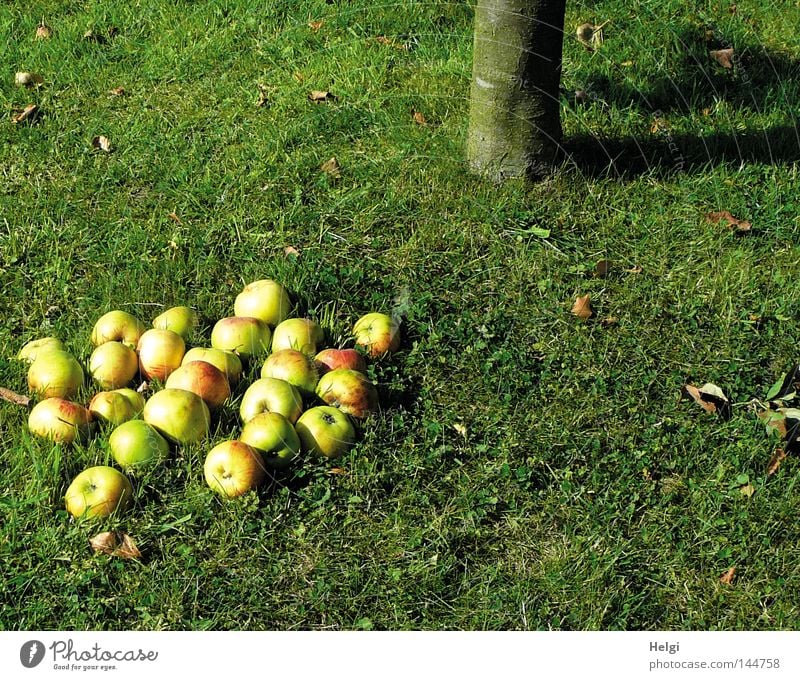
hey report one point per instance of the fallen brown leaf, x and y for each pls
(582, 308)
(602, 268)
(775, 462)
(13, 397)
(315, 25)
(174, 217)
(321, 96)
(29, 113)
(102, 143)
(659, 125)
(337, 471)
(636, 269)
(26, 79)
(723, 57)
(43, 32)
(117, 91)
(116, 544)
(332, 167)
(291, 251)
(419, 118)
(710, 397)
(774, 422)
(735, 224)
(727, 577)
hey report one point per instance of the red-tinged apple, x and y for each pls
(232, 468)
(204, 379)
(55, 374)
(244, 335)
(301, 334)
(265, 299)
(98, 492)
(119, 326)
(34, 348)
(136, 399)
(136, 444)
(331, 359)
(377, 333)
(271, 395)
(325, 431)
(294, 367)
(59, 420)
(160, 353)
(180, 320)
(112, 407)
(227, 362)
(273, 435)
(113, 365)
(348, 390)
(179, 415)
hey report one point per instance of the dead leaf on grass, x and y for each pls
(117, 92)
(736, 225)
(337, 471)
(723, 57)
(43, 32)
(321, 96)
(609, 321)
(582, 308)
(775, 461)
(461, 429)
(774, 422)
(602, 268)
(315, 25)
(419, 118)
(728, 576)
(116, 544)
(13, 397)
(332, 167)
(29, 114)
(101, 143)
(747, 490)
(710, 398)
(27, 79)
(636, 269)
(291, 251)
(174, 217)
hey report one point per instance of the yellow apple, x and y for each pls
(180, 320)
(265, 299)
(98, 492)
(227, 362)
(348, 390)
(137, 443)
(55, 373)
(325, 431)
(204, 379)
(273, 435)
(112, 407)
(181, 416)
(113, 364)
(232, 468)
(59, 420)
(32, 349)
(160, 353)
(294, 367)
(244, 335)
(301, 334)
(117, 325)
(271, 395)
(377, 333)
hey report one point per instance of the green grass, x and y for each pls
(528, 470)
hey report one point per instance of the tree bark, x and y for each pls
(515, 121)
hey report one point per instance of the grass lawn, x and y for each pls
(529, 470)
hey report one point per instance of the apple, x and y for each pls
(273, 435)
(55, 374)
(34, 348)
(137, 443)
(180, 320)
(271, 395)
(136, 399)
(301, 334)
(348, 390)
(112, 407)
(329, 359)
(326, 431)
(244, 335)
(204, 379)
(181, 416)
(265, 299)
(117, 325)
(160, 353)
(232, 468)
(59, 420)
(97, 492)
(294, 367)
(227, 362)
(113, 364)
(377, 333)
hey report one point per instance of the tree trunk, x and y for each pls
(515, 122)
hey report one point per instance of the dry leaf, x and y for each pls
(102, 143)
(337, 471)
(735, 224)
(602, 268)
(117, 91)
(774, 422)
(26, 79)
(723, 57)
(419, 118)
(174, 217)
(29, 113)
(659, 125)
(332, 167)
(775, 461)
(727, 577)
(609, 321)
(461, 429)
(315, 25)
(291, 251)
(116, 544)
(143, 387)
(321, 96)
(747, 490)
(636, 269)
(710, 397)
(13, 397)
(582, 307)
(43, 32)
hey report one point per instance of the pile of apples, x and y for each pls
(304, 404)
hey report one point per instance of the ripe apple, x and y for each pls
(113, 364)
(348, 390)
(112, 407)
(117, 325)
(294, 367)
(180, 320)
(181, 416)
(233, 468)
(204, 379)
(271, 395)
(377, 333)
(265, 299)
(326, 431)
(227, 362)
(330, 359)
(273, 435)
(136, 399)
(59, 420)
(160, 353)
(245, 335)
(97, 492)
(55, 374)
(137, 443)
(301, 334)
(34, 348)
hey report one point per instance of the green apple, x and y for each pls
(181, 416)
(325, 431)
(348, 390)
(273, 435)
(265, 299)
(160, 353)
(137, 443)
(330, 359)
(117, 325)
(136, 399)
(377, 333)
(301, 334)
(55, 374)
(204, 379)
(180, 320)
(244, 335)
(271, 395)
(294, 367)
(233, 468)
(97, 492)
(227, 362)
(34, 348)
(59, 420)
(112, 407)
(113, 364)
